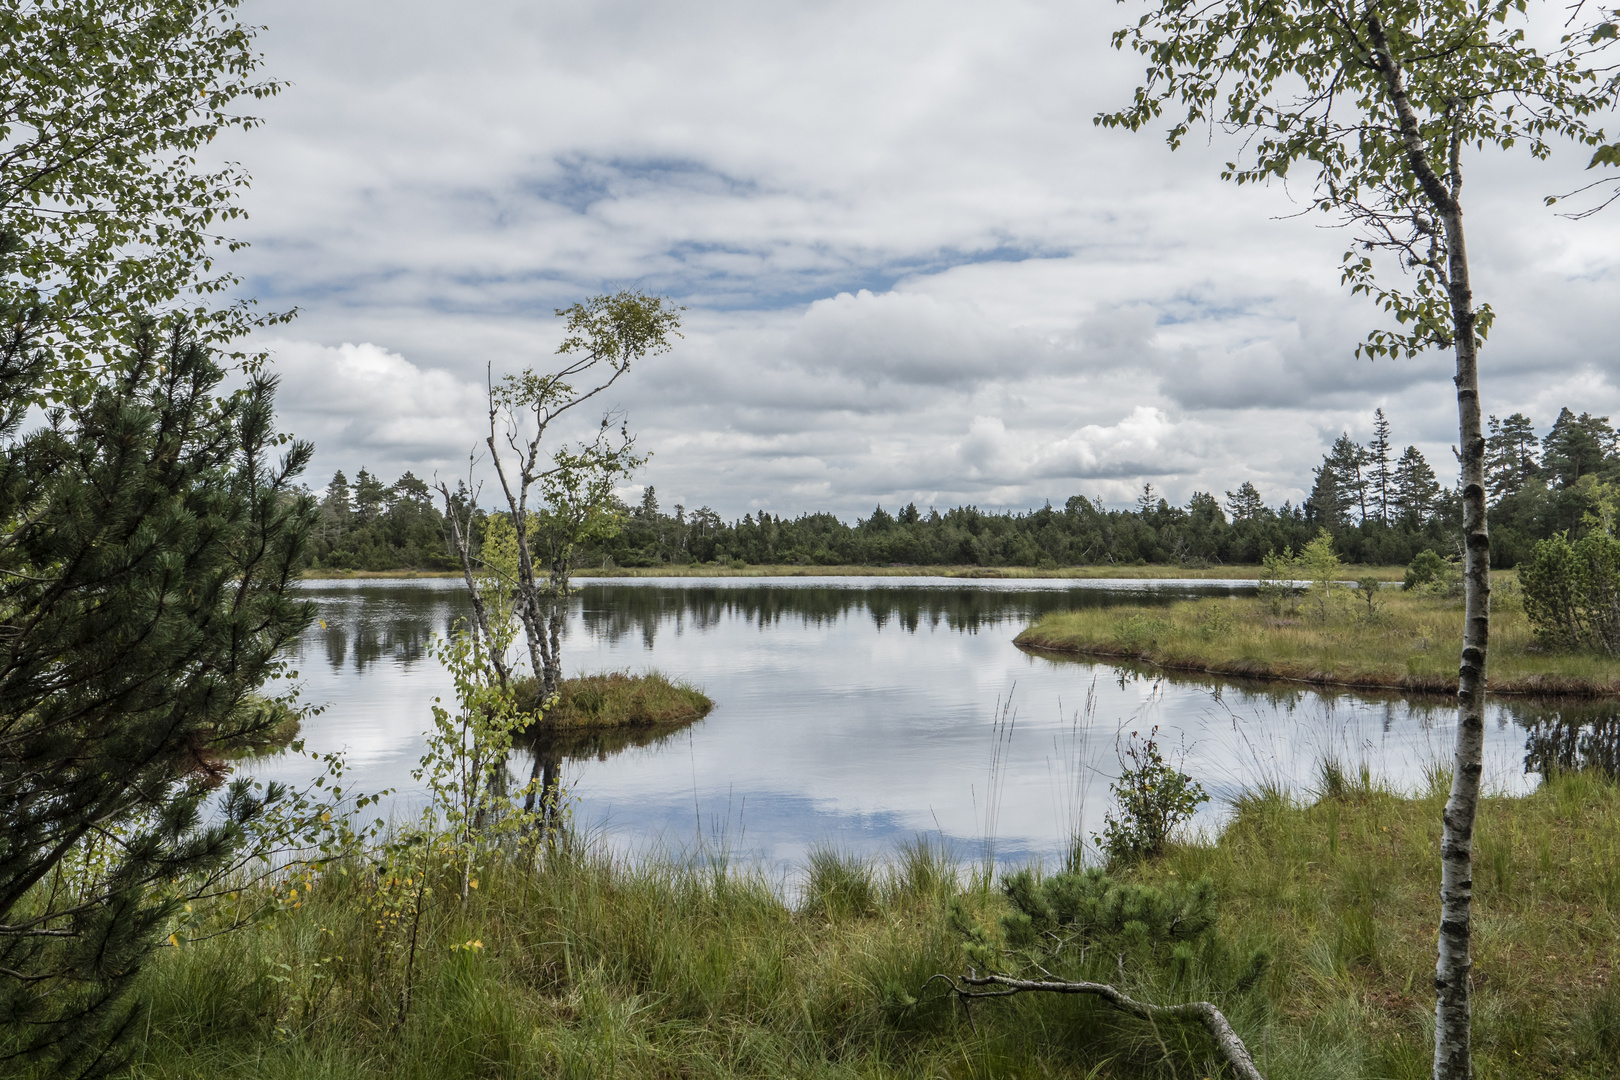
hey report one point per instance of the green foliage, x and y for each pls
(1572, 592)
(144, 599)
(392, 528)
(1311, 85)
(1427, 570)
(1080, 909)
(1139, 632)
(1155, 941)
(1277, 589)
(104, 109)
(1321, 566)
(1369, 588)
(1154, 800)
(558, 495)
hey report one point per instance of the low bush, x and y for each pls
(1154, 800)
(1571, 593)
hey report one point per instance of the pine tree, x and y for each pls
(1577, 446)
(1246, 504)
(1378, 463)
(410, 489)
(369, 497)
(1415, 488)
(150, 547)
(1512, 455)
(1348, 459)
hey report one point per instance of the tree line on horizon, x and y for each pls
(1382, 507)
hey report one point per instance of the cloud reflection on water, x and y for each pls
(859, 712)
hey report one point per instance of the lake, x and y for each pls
(860, 712)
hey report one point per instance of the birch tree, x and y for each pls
(1381, 104)
(558, 494)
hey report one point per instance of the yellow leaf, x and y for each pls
(473, 883)
(173, 940)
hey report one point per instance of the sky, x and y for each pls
(913, 269)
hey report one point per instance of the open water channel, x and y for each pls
(861, 712)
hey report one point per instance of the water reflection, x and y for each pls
(372, 621)
(614, 611)
(1563, 737)
(860, 712)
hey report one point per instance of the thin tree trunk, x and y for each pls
(1452, 1055)
(1453, 1059)
(462, 540)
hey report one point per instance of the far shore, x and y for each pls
(1406, 642)
(727, 570)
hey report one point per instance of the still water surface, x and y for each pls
(861, 712)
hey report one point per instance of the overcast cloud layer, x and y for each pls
(912, 267)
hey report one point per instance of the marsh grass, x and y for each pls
(1407, 641)
(579, 963)
(617, 699)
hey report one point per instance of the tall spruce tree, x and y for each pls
(151, 541)
(1378, 463)
(1414, 488)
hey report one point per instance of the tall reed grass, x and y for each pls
(574, 962)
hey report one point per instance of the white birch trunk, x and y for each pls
(1453, 1056)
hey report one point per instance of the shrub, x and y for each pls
(1321, 565)
(1276, 586)
(1154, 799)
(1572, 592)
(1083, 924)
(1368, 587)
(1427, 568)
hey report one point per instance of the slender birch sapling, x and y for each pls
(1381, 103)
(559, 494)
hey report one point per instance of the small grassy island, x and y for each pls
(616, 699)
(1406, 641)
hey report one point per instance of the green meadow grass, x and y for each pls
(1407, 641)
(579, 963)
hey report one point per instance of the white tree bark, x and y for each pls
(1453, 1058)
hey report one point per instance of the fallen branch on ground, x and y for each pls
(1231, 1047)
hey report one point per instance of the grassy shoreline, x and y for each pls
(584, 964)
(1408, 644)
(1139, 573)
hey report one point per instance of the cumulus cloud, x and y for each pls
(362, 405)
(912, 268)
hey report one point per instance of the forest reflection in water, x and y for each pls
(858, 711)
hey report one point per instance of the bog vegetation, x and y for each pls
(1303, 920)
(1307, 625)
